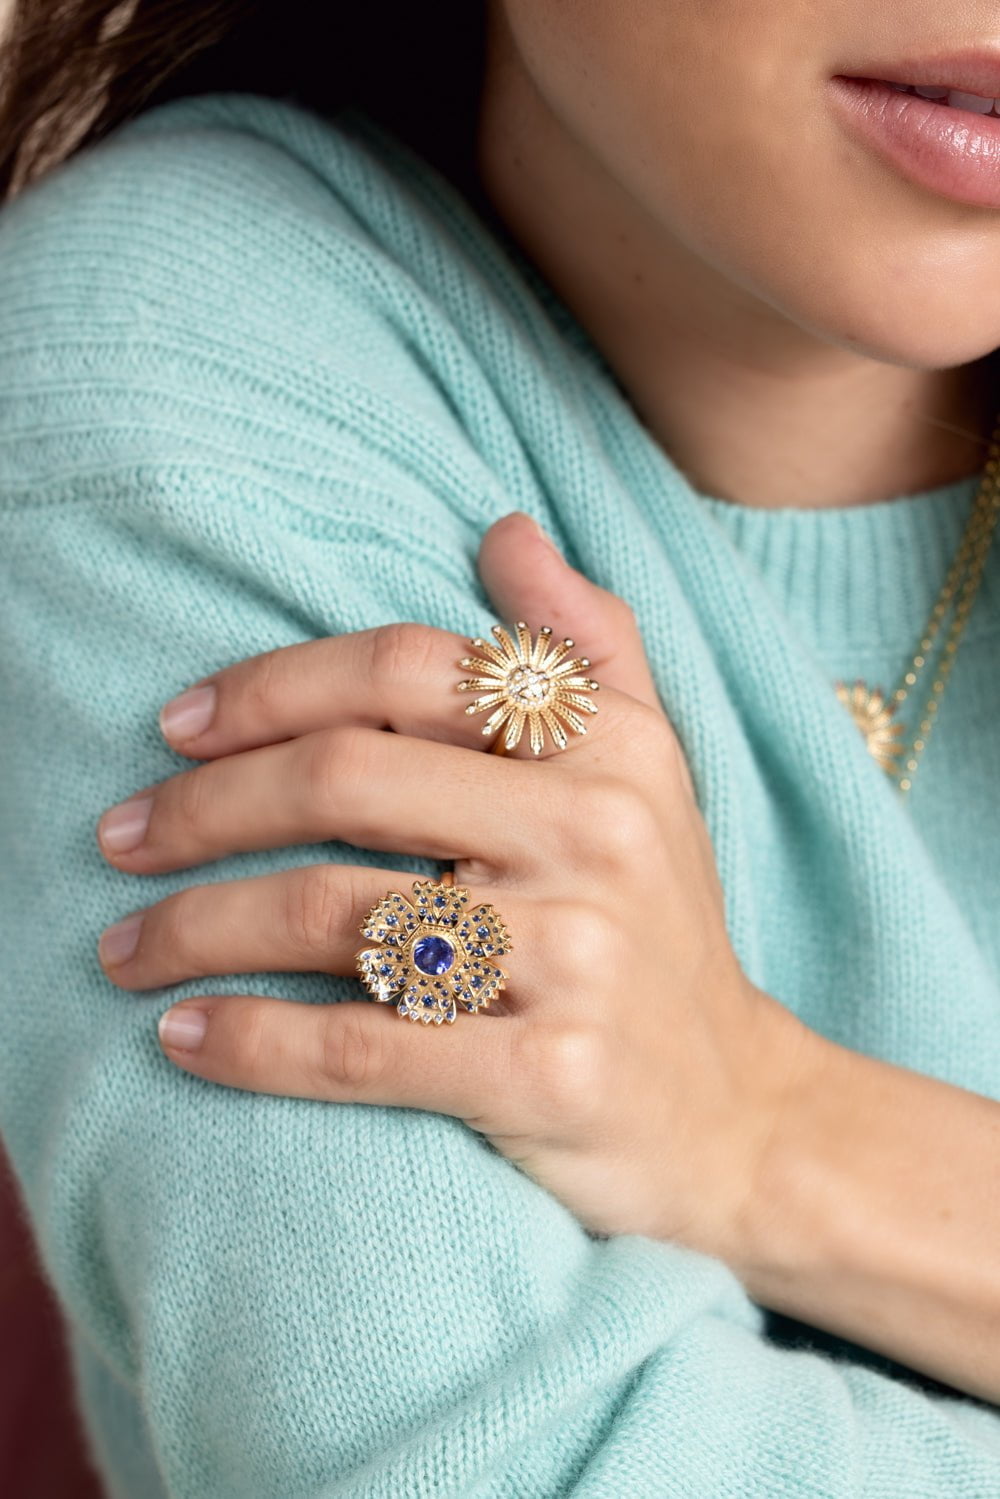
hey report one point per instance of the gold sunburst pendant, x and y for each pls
(533, 682)
(873, 714)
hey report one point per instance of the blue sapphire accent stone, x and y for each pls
(433, 955)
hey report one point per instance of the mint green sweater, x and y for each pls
(264, 379)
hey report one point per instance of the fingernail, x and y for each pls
(117, 943)
(124, 827)
(183, 1028)
(189, 713)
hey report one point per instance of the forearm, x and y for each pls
(877, 1217)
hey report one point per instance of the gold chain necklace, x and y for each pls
(871, 709)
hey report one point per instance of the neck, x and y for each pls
(750, 407)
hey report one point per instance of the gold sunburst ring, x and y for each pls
(528, 681)
(873, 714)
(433, 955)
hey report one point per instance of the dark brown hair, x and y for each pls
(71, 70)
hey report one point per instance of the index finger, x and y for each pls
(413, 679)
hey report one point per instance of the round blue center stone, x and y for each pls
(433, 955)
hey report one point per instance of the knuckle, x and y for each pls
(620, 824)
(335, 764)
(680, 766)
(247, 1040)
(264, 682)
(652, 720)
(402, 651)
(567, 1064)
(623, 615)
(313, 909)
(652, 729)
(586, 944)
(189, 802)
(657, 742)
(352, 1052)
(176, 930)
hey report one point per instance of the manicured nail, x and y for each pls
(183, 1028)
(189, 713)
(117, 943)
(124, 827)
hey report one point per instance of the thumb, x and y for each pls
(527, 578)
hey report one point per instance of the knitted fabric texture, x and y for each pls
(266, 378)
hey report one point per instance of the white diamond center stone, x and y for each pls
(533, 688)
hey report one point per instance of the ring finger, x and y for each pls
(305, 919)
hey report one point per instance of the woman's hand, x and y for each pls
(631, 1068)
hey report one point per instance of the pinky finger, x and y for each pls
(350, 1052)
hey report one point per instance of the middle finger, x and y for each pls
(360, 785)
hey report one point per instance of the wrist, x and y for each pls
(775, 1222)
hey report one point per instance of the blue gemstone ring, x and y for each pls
(433, 955)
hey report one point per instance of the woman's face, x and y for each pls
(716, 121)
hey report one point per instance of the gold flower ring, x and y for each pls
(432, 956)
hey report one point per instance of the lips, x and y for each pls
(969, 72)
(951, 98)
(945, 147)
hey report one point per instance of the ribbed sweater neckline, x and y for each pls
(867, 575)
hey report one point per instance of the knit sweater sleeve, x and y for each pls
(210, 446)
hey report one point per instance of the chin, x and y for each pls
(909, 332)
(921, 349)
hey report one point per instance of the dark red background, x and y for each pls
(42, 1453)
